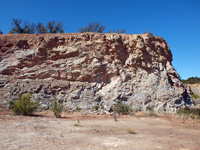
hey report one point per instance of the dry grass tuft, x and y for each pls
(131, 131)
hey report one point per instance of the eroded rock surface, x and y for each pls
(193, 88)
(91, 69)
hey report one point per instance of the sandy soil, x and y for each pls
(97, 132)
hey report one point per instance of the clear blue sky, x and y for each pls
(177, 21)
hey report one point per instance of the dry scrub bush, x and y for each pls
(131, 131)
(122, 108)
(193, 113)
(57, 109)
(23, 106)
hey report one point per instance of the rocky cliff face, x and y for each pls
(193, 88)
(91, 69)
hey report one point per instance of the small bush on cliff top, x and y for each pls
(23, 106)
(52, 27)
(116, 31)
(11, 32)
(26, 27)
(57, 109)
(92, 27)
(20, 26)
(41, 29)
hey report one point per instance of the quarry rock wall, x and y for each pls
(87, 69)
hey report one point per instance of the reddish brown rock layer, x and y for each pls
(92, 69)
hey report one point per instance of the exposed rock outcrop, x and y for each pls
(193, 88)
(91, 69)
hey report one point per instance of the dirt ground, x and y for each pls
(97, 132)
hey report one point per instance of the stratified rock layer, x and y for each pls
(91, 69)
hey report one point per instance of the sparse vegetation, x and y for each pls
(92, 27)
(23, 106)
(78, 108)
(78, 124)
(117, 31)
(115, 116)
(96, 27)
(191, 80)
(20, 26)
(131, 131)
(152, 114)
(41, 29)
(1, 32)
(25, 27)
(186, 112)
(96, 107)
(150, 108)
(195, 96)
(122, 108)
(52, 27)
(57, 109)
(11, 32)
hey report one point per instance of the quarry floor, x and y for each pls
(97, 132)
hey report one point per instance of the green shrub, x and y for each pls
(195, 96)
(78, 124)
(23, 106)
(150, 108)
(78, 108)
(11, 32)
(193, 113)
(57, 109)
(96, 107)
(122, 108)
(191, 80)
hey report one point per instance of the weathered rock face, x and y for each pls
(193, 88)
(91, 69)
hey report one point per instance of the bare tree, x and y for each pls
(92, 27)
(41, 29)
(52, 27)
(25, 28)
(29, 28)
(17, 26)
